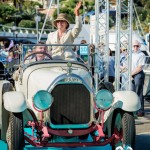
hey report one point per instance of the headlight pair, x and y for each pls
(43, 100)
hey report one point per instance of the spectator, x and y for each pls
(111, 67)
(138, 62)
(123, 68)
(11, 54)
(83, 42)
(64, 36)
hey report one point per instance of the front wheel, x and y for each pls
(123, 125)
(15, 135)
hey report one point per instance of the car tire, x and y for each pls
(15, 134)
(124, 123)
(106, 85)
(5, 114)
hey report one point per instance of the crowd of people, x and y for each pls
(9, 51)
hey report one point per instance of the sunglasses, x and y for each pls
(62, 21)
(124, 50)
(136, 46)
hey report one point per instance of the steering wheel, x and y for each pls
(34, 53)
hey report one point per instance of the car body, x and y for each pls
(58, 101)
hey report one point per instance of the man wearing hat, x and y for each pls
(64, 36)
(138, 62)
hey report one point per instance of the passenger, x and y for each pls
(138, 62)
(36, 57)
(64, 36)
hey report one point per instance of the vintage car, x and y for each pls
(56, 104)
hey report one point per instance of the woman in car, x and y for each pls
(64, 36)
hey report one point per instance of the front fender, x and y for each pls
(126, 100)
(14, 101)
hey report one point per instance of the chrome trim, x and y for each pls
(61, 77)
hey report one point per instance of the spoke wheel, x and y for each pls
(123, 125)
(15, 135)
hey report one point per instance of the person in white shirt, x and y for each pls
(64, 36)
(138, 62)
(37, 57)
(33, 57)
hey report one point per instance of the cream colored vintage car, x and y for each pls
(55, 104)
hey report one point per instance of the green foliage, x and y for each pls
(48, 24)
(29, 9)
(10, 24)
(143, 12)
(27, 24)
(6, 12)
(2, 21)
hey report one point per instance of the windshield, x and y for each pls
(39, 52)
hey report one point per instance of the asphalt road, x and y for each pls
(143, 130)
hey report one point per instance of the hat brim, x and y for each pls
(60, 19)
(123, 48)
(136, 43)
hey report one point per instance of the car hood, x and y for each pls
(42, 78)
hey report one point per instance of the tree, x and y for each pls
(6, 12)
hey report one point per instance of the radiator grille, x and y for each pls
(71, 104)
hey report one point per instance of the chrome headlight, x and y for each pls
(104, 99)
(42, 100)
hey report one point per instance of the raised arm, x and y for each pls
(78, 21)
(76, 10)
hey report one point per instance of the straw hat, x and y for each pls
(124, 45)
(62, 17)
(123, 48)
(136, 42)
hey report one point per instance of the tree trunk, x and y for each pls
(15, 3)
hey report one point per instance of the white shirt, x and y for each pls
(138, 59)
